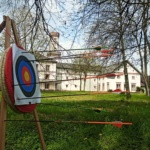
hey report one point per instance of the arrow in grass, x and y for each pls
(117, 124)
(98, 110)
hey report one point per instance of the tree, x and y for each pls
(108, 25)
(140, 35)
(84, 65)
(111, 23)
(31, 22)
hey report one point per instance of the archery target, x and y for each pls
(14, 93)
(26, 87)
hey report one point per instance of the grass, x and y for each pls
(70, 136)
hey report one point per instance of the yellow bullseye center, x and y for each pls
(26, 76)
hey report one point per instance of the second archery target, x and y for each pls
(26, 87)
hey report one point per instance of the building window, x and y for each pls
(118, 85)
(107, 85)
(46, 85)
(94, 79)
(103, 86)
(66, 77)
(94, 87)
(99, 87)
(75, 86)
(133, 87)
(46, 76)
(133, 77)
(47, 67)
(66, 85)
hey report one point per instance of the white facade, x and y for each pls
(47, 69)
(70, 81)
(47, 75)
(67, 80)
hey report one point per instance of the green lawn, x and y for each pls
(23, 135)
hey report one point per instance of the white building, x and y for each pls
(115, 79)
(46, 65)
(62, 76)
(69, 80)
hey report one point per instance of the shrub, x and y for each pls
(110, 90)
(139, 89)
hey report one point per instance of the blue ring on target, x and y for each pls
(25, 75)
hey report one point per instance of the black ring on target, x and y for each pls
(25, 75)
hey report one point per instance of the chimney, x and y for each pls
(54, 41)
(54, 45)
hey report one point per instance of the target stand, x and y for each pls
(18, 76)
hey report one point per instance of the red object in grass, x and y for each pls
(117, 90)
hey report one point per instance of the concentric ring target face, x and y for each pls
(25, 78)
(25, 75)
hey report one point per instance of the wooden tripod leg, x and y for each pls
(3, 114)
(15, 33)
(3, 108)
(39, 129)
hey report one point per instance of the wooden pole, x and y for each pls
(3, 115)
(3, 109)
(39, 130)
(15, 33)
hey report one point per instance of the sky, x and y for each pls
(1, 17)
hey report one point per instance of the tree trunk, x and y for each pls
(128, 95)
(144, 29)
(85, 75)
(80, 82)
